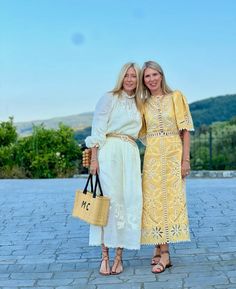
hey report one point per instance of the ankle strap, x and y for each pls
(119, 251)
(165, 252)
(105, 249)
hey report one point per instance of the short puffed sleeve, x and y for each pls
(182, 112)
(100, 121)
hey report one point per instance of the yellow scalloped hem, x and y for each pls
(169, 242)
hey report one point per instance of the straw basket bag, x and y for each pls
(90, 207)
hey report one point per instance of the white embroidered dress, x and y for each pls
(119, 171)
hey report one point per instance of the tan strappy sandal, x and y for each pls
(156, 256)
(161, 267)
(105, 259)
(117, 261)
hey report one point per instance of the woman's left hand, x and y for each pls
(185, 168)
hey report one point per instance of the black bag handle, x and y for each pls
(97, 182)
(90, 178)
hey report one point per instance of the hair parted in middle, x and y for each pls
(117, 90)
(144, 91)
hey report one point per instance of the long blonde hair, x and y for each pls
(117, 90)
(144, 91)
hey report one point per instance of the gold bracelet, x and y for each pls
(186, 160)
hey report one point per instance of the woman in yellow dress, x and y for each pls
(166, 125)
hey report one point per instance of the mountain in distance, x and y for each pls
(219, 108)
(204, 112)
(77, 122)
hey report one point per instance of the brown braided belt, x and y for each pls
(124, 137)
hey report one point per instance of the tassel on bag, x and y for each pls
(86, 158)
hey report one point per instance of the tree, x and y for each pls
(8, 134)
(213, 147)
(49, 153)
(8, 143)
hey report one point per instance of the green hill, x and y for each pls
(80, 135)
(204, 112)
(77, 122)
(207, 111)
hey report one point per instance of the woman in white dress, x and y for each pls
(115, 156)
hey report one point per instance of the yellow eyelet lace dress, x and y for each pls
(165, 217)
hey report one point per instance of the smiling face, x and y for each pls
(152, 79)
(130, 81)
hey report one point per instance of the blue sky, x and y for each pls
(57, 57)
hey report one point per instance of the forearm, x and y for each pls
(94, 156)
(186, 145)
(94, 166)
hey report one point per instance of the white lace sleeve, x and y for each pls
(100, 121)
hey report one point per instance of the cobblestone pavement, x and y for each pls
(42, 246)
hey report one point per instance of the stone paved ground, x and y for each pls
(42, 246)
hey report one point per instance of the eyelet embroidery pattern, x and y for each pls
(165, 217)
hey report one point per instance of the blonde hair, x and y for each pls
(117, 90)
(144, 91)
